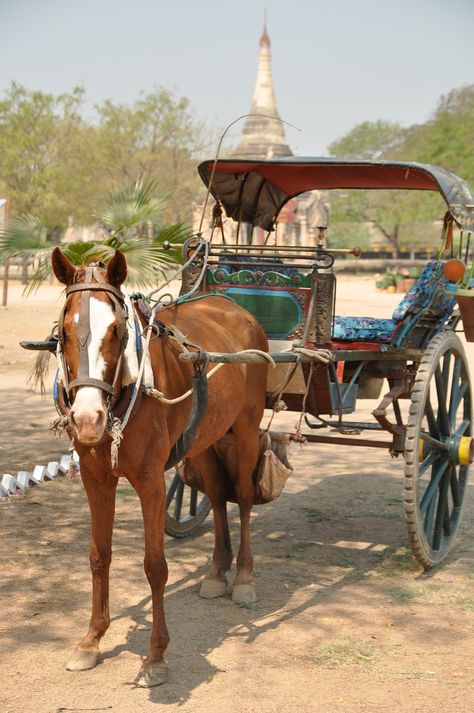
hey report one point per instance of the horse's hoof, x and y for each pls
(212, 588)
(83, 660)
(244, 594)
(153, 675)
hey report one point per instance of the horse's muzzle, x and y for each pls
(89, 426)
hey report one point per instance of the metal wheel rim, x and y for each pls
(186, 508)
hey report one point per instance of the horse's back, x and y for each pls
(215, 323)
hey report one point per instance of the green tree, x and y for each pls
(370, 140)
(156, 136)
(39, 157)
(447, 138)
(403, 218)
(56, 164)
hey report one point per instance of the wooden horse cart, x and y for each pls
(324, 362)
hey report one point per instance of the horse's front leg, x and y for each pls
(101, 496)
(152, 493)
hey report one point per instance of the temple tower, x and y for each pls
(262, 136)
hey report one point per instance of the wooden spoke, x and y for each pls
(428, 462)
(430, 491)
(172, 490)
(462, 428)
(457, 398)
(454, 401)
(428, 523)
(434, 441)
(193, 502)
(443, 420)
(441, 514)
(455, 491)
(432, 423)
(178, 504)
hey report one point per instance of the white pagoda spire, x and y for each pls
(263, 137)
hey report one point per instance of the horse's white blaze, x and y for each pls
(88, 399)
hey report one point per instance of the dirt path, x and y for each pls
(346, 621)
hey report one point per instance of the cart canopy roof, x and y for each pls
(255, 191)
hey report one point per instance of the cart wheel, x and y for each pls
(186, 508)
(439, 448)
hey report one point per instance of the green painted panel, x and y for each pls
(276, 310)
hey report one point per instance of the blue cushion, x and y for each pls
(430, 281)
(427, 290)
(363, 329)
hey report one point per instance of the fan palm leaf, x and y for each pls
(132, 206)
(24, 234)
(127, 211)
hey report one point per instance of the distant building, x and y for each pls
(83, 233)
(263, 137)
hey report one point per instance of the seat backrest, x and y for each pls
(278, 300)
(427, 292)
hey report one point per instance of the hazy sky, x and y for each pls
(335, 62)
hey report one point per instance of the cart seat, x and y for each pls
(426, 292)
(363, 329)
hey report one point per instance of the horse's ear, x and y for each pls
(62, 268)
(117, 269)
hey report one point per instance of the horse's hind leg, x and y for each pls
(246, 434)
(101, 496)
(208, 469)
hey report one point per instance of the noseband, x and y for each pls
(84, 331)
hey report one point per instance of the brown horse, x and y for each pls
(92, 338)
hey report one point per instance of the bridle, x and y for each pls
(92, 271)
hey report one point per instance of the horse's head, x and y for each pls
(92, 334)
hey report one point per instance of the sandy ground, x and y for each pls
(346, 620)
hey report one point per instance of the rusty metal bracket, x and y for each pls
(380, 413)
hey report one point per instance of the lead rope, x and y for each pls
(297, 436)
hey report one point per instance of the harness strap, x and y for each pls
(89, 381)
(99, 286)
(198, 411)
(83, 331)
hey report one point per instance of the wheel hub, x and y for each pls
(460, 449)
(465, 450)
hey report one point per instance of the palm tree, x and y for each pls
(133, 218)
